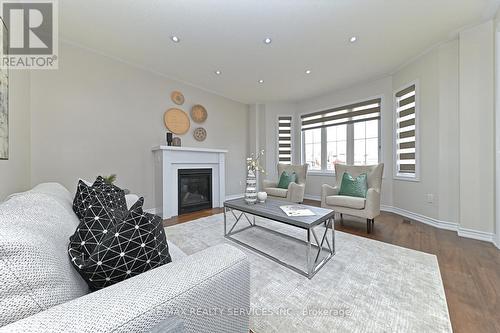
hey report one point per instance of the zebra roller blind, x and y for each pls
(406, 132)
(348, 114)
(285, 139)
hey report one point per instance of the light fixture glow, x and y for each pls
(175, 39)
(267, 40)
(261, 81)
(353, 39)
(308, 71)
(218, 72)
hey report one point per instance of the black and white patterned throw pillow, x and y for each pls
(114, 196)
(118, 245)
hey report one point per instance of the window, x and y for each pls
(348, 134)
(336, 146)
(406, 133)
(312, 148)
(285, 139)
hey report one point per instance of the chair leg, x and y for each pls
(341, 219)
(368, 226)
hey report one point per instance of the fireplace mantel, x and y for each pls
(168, 160)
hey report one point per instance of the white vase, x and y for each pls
(250, 192)
(262, 196)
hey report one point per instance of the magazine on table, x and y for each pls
(294, 210)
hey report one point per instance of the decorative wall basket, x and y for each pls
(176, 121)
(177, 97)
(199, 113)
(200, 134)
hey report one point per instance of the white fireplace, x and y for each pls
(169, 160)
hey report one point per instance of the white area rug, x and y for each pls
(368, 286)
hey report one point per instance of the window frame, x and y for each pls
(292, 137)
(350, 138)
(396, 174)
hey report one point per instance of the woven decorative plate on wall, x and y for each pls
(177, 97)
(199, 113)
(177, 121)
(200, 134)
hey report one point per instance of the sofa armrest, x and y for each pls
(296, 192)
(209, 291)
(326, 191)
(130, 199)
(268, 183)
(372, 203)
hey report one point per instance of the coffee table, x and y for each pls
(271, 210)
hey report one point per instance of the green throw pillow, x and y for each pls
(287, 178)
(354, 187)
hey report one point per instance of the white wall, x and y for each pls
(409, 195)
(477, 128)
(15, 172)
(379, 88)
(96, 115)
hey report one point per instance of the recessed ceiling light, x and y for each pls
(261, 81)
(353, 39)
(308, 71)
(267, 40)
(218, 72)
(175, 39)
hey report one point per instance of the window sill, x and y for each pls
(321, 173)
(406, 179)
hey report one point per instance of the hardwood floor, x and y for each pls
(470, 269)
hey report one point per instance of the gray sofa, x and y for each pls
(40, 292)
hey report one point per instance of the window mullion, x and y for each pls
(323, 149)
(350, 143)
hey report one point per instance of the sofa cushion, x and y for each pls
(276, 192)
(346, 201)
(35, 273)
(111, 246)
(115, 197)
(286, 178)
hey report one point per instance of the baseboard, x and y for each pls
(234, 196)
(421, 218)
(453, 226)
(312, 197)
(475, 234)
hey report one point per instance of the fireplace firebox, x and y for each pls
(195, 190)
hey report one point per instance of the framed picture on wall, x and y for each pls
(4, 94)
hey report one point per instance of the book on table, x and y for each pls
(294, 210)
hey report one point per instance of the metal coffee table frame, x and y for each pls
(313, 266)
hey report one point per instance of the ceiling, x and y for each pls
(227, 35)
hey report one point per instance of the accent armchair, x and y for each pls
(295, 191)
(369, 207)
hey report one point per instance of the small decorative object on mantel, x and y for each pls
(262, 196)
(176, 121)
(253, 166)
(200, 134)
(176, 142)
(169, 138)
(199, 113)
(177, 97)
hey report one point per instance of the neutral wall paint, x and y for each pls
(96, 115)
(379, 88)
(477, 128)
(449, 136)
(15, 172)
(409, 195)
